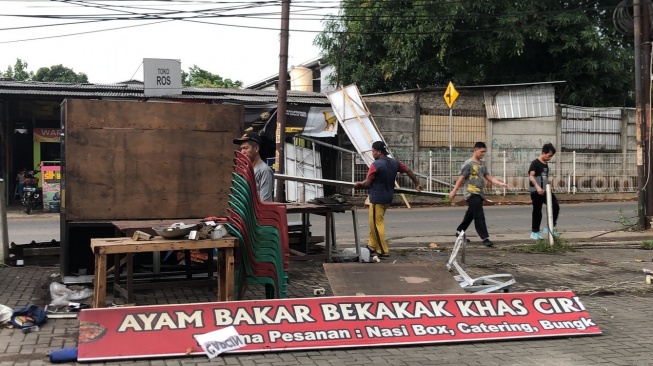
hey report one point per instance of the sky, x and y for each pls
(236, 39)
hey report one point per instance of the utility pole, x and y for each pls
(282, 94)
(646, 103)
(641, 181)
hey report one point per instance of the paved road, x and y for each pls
(609, 281)
(402, 224)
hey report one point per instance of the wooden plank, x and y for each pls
(148, 175)
(100, 281)
(130, 161)
(386, 278)
(158, 244)
(107, 114)
(229, 273)
(226, 268)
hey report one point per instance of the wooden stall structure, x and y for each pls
(126, 160)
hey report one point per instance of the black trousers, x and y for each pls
(475, 213)
(539, 200)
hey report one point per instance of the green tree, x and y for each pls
(204, 79)
(18, 72)
(385, 45)
(59, 74)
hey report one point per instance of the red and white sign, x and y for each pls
(331, 322)
(47, 135)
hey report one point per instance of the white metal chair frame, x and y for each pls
(480, 285)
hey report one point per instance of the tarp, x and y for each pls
(305, 119)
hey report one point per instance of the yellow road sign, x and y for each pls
(450, 95)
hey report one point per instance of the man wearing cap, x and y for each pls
(250, 145)
(381, 182)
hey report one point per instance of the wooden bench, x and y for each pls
(117, 246)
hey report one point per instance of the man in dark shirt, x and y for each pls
(381, 182)
(538, 176)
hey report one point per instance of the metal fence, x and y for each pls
(571, 172)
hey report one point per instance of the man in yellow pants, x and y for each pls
(380, 180)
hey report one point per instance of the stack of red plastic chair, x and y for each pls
(263, 253)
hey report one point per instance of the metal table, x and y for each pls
(326, 210)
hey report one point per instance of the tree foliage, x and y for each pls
(386, 45)
(59, 74)
(201, 78)
(18, 71)
(56, 73)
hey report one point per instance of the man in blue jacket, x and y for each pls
(381, 182)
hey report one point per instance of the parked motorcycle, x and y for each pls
(32, 194)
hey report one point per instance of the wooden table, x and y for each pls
(116, 246)
(128, 227)
(327, 211)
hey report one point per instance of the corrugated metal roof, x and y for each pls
(520, 102)
(136, 91)
(591, 128)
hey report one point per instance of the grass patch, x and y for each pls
(628, 223)
(542, 246)
(647, 244)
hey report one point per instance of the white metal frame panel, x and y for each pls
(356, 119)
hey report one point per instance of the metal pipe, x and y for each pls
(353, 172)
(504, 171)
(429, 183)
(315, 186)
(573, 169)
(297, 195)
(569, 183)
(433, 179)
(450, 147)
(325, 144)
(549, 213)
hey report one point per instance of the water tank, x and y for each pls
(301, 79)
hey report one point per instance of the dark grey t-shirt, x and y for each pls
(474, 174)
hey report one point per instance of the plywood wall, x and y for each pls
(129, 160)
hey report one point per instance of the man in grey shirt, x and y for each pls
(250, 145)
(471, 178)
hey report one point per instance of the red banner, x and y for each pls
(331, 322)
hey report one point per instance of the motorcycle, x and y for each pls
(32, 193)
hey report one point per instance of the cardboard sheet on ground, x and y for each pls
(330, 322)
(386, 278)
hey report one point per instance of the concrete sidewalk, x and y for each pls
(577, 238)
(605, 271)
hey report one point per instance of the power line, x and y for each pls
(168, 15)
(85, 32)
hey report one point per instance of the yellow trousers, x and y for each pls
(377, 228)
